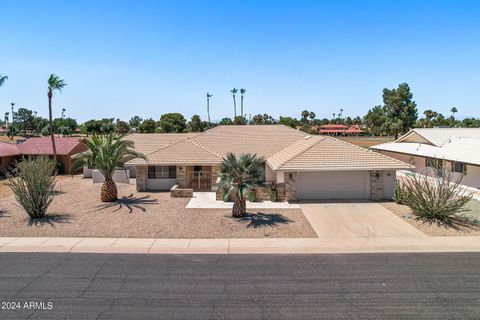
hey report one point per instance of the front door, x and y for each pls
(200, 179)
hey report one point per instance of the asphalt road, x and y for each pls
(336, 286)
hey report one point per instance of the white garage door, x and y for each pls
(333, 185)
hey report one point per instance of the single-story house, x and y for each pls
(303, 167)
(8, 154)
(66, 148)
(427, 148)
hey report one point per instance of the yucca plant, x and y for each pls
(33, 185)
(398, 193)
(106, 154)
(240, 174)
(435, 197)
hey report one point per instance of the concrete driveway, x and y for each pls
(356, 220)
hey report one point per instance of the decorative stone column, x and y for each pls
(290, 186)
(141, 179)
(376, 185)
(215, 172)
(182, 176)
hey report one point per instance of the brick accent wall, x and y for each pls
(182, 176)
(376, 185)
(141, 179)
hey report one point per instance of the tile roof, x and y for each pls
(263, 140)
(283, 147)
(440, 136)
(8, 149)
(465, 150)
(327, 153)
(35, 146)
(148, 142)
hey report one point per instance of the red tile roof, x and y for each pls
(34, 146)
(8, 149)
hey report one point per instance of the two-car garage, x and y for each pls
(341, 185)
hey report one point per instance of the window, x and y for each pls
(434, 163)
(459, 167)
(162, 172)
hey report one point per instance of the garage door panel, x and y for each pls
(332, 185)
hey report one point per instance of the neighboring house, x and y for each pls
(428, 148)
(339, 130)
(66, 148)
(8, 154)
(303, 167)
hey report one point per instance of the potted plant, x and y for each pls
(272, 193)
(251, 195)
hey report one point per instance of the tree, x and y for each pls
(311, 115)
(106, 154)
(12, 131)
(92, 127)
(54, 84)
(341, 113)
(208, 107)
(288, 121)
(239, 120)
(173, 122)
(226, 121)
(122, 127)
(429, 115)
(135, 122)
(305, 114)
(239, 174)
(25, 118)
(2, 79)
(234, 91)
(375, 120)
(400, 110)
(453, 111)
(260, 119)
(148, 126)
(242, 94)
(39, 123)
(196, 124)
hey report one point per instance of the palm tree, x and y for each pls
(54, 84)
(242, 93)
(234, 91)
(13, 113)
(312, 116)
(208, 107)
(453, 111)
(106, 154)
(2, 79)
(334, 116)
(7, 115)
(341, 112)
(240, 174)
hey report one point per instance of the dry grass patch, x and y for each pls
(461, 228)
(78, 212)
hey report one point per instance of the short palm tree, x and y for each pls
(240, 174)
(2, 79)
(54, 84)
(107, 154)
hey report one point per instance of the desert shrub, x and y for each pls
(435, 196)
(398, 193)
(33, 184)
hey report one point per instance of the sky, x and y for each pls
(146, 58)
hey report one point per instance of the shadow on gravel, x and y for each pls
(4, 214)
(50, 219)
(264, 220)
(130, 203)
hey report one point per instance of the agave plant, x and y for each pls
(107, 154)
(240, 174)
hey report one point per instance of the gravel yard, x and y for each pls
(78, 212)
(433, 229)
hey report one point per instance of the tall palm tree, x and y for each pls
(334, 116)
(12, 104)
(2, 79)
(54, 84)
(242, 93)
(7, 116)
(106, 154)
(208, 107)
(453, 111)
(341, 112)
(240, 174)
(234, 91)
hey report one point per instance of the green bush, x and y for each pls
(436, 196)
(33, 184)
(398, 193)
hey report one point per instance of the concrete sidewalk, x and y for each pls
(241, 246)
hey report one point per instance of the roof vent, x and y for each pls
(307, 137)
